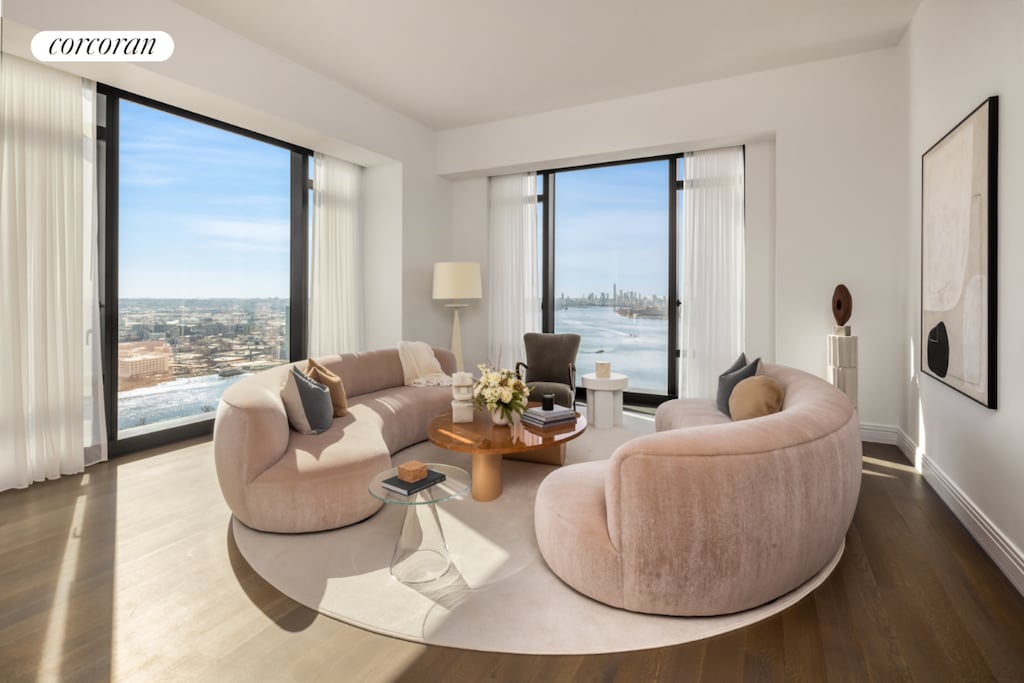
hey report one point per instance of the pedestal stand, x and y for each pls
(604, 399)
(421, 553)
(842, 361)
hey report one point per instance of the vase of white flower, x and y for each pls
(501, 392)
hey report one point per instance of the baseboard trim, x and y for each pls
(886, 434)
(1003, 552)
(892, 436)
(910, 449)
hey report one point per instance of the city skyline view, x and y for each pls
(612, 228)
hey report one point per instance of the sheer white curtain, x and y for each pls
(51, 407)
(713, 268)
(336, 270)
(514, 289)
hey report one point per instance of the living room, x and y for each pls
(833, 149)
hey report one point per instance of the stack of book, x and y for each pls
(408, 488)
(538, 417)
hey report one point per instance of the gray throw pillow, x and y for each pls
(307, 403)
(728, 380)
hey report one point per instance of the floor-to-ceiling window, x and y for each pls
(204, 226)
(611, 270)
(611, 265)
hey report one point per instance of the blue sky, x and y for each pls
(612, 227)
(203, 212)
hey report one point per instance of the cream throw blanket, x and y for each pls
(420, 366)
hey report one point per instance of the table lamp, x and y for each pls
(458, 281)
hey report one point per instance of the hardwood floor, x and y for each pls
(129, 572)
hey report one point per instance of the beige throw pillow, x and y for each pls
(320, 374)
(755, 397)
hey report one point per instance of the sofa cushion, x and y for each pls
(319, 373)
(728, 380)
(307, 403)
(755, 397)
(680, 413)
(403, 413)
(320, 482)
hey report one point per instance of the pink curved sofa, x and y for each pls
(708, 516)
(275, 479)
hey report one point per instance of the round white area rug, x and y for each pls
(499, 595)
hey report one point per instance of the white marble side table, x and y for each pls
(604, 399)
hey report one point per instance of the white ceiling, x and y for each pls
(453, 63)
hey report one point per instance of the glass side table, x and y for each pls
(421, 553)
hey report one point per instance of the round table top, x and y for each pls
(455, 484)
(483, 436)
(614, 381)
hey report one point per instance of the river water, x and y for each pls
(636, 347)
(187, 397)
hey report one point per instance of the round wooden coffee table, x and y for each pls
(488, 443)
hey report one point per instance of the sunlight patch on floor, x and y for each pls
(56, 627)
(889, 465)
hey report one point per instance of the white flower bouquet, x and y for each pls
(500, 391)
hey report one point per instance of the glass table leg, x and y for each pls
(421, 553)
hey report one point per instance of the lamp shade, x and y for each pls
(457, 280)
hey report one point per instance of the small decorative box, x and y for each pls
(411, 471)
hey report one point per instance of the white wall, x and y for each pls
(222, 75)
(759, 245)
(469, 223)
(960, 53)
(833, 186)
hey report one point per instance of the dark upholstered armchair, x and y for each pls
(551, 366)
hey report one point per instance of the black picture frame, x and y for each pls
(959, 256)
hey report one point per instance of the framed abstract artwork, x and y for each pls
(958, 256)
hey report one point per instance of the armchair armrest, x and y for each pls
(519, 372)
(572, 383)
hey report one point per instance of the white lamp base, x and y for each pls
(457, 337)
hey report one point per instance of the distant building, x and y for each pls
(140, 359)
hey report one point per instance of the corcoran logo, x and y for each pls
(102, 46)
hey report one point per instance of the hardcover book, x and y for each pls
(557, 414)
(407, 488)
(551, 423)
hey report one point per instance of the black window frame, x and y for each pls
(549, 198)
(108, 204)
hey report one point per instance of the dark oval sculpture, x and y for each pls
(938, 350)
(842, 304)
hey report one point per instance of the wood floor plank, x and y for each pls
(850, 606)
(763, 654)
(146, 584)
(933, 637)
(681, 662)
(971, 587)
(803, 653)
(725, 657)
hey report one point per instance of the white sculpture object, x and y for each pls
(462, 397)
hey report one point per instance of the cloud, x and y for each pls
(243, 235)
